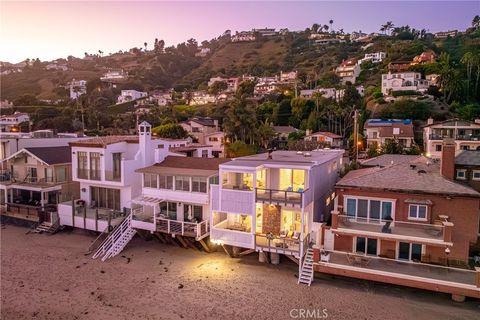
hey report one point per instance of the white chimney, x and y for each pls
(430, 120)
(144, 142)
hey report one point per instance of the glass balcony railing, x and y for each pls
(395, 228)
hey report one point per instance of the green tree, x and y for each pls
(217, 88)
(392, 146)
(170, 131)
(245, 89)
(282, 113)
(265, 134)
(240, 120)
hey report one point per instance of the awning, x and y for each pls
(145, 200)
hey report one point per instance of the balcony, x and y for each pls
(283, 197)
(190, 229)
(231, 234)
(464, 137)
(391, 229)
(417, 275)
(77, 215)
(279, 244)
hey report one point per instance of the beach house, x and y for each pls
(271, 202)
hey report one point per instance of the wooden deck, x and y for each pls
(454, 281)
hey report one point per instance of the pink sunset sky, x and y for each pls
(49, 30)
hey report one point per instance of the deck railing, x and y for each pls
(191, 229)
(278, 244)
(402, 228)
(280, 196)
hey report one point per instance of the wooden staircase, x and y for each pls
(116, 240)
(46, 227)
(306, 276)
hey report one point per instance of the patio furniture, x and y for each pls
(324, 256)
(283, 234)
(296, 235)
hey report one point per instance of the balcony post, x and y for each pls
(73, 212)
(335, 219)
(477, 277)
(96, 219)
(316, 253)
(447, 231)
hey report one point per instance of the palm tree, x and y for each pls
(325, 27)
(387, 27)
(468, 60)
(145, 44)
(476, 22)
(315, 27)
(341, 31)
(331, 24)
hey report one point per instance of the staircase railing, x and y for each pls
(113, 237)
(97, 239)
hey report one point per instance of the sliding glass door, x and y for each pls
(366, 246)
(410, 251)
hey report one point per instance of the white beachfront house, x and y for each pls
(130, 95)
(374, 57)
(274, 203)
(105, 168)
(77, 88)
(175, 197)
(403, 81)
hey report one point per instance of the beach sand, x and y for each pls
(50, 277)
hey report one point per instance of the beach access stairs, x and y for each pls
(116, 241)
(306, 275)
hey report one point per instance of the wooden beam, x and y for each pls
(182, 241)
(160, 237)
(292, 258)
(205, 246)
(226, 251)
(246, 252)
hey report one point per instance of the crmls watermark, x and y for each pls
(301, 313)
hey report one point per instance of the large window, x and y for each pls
(237, 181)
(117, 165)
(182, 183)
(476, 175)
(82, 165)
(94, 166)
(417, 212)
(105, 198)
(369, 209)
(150, 180)
(165, 182)
(292, 180)
(199, 184)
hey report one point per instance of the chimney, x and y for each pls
(430, 120)
(447, 164)
(215, 123)
(308, 132)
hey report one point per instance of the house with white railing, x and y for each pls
(175, 198)
(272, 203)
(105, 168)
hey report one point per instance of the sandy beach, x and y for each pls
(50, 277)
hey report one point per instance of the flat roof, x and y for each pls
(287, 158)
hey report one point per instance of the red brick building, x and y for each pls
(409, 210)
